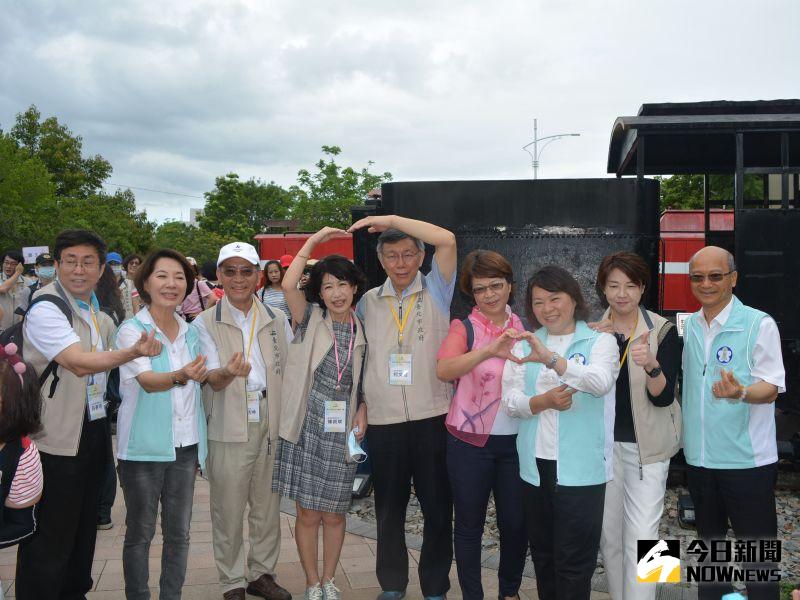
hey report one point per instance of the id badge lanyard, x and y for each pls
(400, 368)
(95, 403)
(253, 398)
(336, 410)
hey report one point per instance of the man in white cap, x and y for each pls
(245, 343)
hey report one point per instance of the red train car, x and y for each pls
(274, 245)
(683, 234)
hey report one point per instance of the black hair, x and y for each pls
(20, 403)
(80, 237)
(14, 255)
(341, 268)
(129, 258)
(109, 296)
(392, 236)
(209, 270)
(149, 265)
(555, 279)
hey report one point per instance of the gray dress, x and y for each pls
(313, 472)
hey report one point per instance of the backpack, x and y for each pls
(13, 335)
(15, 523)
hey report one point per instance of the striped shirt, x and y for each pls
(269, 295)
(28, 480)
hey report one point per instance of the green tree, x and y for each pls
(238, 209)
(326, 196)
(62, 153)
(686, 191)
(27, 198)
(113, 216)
(203, 245)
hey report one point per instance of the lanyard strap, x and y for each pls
(97, 326)
(630, 339)
(340, 372)
(252, 331)
(401, 327)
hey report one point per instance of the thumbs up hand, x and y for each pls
(641, 354)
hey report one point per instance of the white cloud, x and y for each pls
(176, 94)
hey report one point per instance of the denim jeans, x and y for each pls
(144, 484)
(475, 472)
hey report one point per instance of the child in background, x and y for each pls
(20, 467)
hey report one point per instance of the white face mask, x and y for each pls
(354, 448)
(117, 270)
(46, 272)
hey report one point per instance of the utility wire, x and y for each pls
(119, 185)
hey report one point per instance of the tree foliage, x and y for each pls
(686, 191)
(238, 209)
(62, 154)
(325, 196)
(202, 244)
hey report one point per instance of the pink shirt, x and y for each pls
(477, 399)
(192, 306)
(27, 482)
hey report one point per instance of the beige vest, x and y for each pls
(226, 410)
(305, 356)
(64, 407)
(427, 396)
(658, 428)
(10, 301)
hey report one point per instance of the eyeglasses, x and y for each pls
(70, 264)
(242, 271)
(393, 258)
(496, 288)
(10, 263)
(712, 277)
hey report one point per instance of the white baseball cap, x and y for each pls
(240, 250)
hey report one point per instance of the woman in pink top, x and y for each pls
(481, 446)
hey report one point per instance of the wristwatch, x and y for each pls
(654, 373)
(177, 382)
(551, 364)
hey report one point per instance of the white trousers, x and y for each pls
(632, 512)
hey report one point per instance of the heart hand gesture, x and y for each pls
(501, 347)
(539, 352)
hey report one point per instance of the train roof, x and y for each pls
(696, 137)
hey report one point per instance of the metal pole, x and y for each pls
(535, 152)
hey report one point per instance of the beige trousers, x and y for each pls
(240, 474)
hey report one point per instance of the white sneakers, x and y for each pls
(327, 591)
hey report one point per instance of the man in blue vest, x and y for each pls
(733, 371)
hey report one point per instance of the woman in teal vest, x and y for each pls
(563, 390)
(161, 426)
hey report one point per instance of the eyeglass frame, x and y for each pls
(72, 264)
(393, 259)
(711, 277)
(239, 271)
(495, 287)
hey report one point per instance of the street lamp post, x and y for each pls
(536, 150)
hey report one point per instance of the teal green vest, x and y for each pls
(717, 433)
(585, 432)
(151, 436)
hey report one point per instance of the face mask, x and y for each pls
(46, 272)
(353, 447)
(117, 270)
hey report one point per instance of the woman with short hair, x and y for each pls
(563, 392)
(481, 444)
(647, 428)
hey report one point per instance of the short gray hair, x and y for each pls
(392, 236)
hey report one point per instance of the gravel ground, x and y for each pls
(788, 507)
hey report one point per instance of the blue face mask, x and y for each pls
(353, 447)
(46, 272)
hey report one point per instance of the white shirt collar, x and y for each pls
(722, 317)
(414, 286)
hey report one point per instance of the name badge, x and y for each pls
(400, 370)
(253, 407)
(95, 403)
(335, 414)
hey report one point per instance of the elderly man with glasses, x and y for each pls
(405, 320)
(732, 373)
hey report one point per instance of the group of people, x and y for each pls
(568, 423)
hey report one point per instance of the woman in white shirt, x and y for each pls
(563, 390)
(161, 427)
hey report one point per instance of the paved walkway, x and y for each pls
(355, 575)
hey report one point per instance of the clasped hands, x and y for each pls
(501, 347)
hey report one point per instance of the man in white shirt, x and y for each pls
(733, 371)
(73, 360)
(245, 344)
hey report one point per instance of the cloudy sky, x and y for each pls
(177, 93)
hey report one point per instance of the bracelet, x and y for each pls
(553, 360)
(743, 394)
